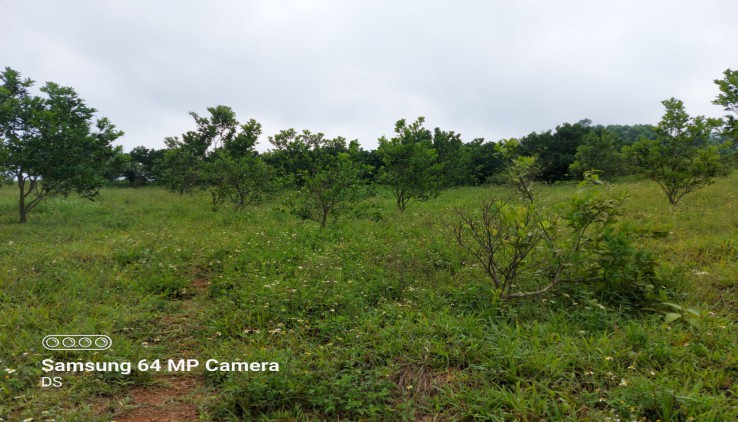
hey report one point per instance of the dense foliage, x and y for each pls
(526, 250)
(219, 157)
(681, 159)
(728, 99)
(599, 151)
(52, 144)
(410, 164)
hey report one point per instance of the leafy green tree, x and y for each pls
(327, 173)
(289, 154)
(453, 157)
(219, 157)
(410, 164)
(53, 144)
(236, 173)
(296, 155)
(117, 165)
(240, 181)
(332, 188)
(139, 167)
(369, 161)
(599, 150)
(181, 167)
(556, 151)
(728, 99)
(145, 166)
(186, 158)
(629, 134)
(681, 158)
(484, 161)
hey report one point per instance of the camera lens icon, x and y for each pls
(103, 342)
(51, 342)
(76, 342)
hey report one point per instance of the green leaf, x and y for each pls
(671, 317)
(673, 305)
(694, 312)
(693, 322)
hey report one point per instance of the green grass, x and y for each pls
(380, 317)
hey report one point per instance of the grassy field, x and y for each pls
(380, 317)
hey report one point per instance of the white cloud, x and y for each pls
(488, 69)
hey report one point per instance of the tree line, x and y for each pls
(564, 153)
(54, 144)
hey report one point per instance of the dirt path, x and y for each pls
(170, 398)
(173, 402)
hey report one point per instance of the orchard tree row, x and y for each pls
(54, 144)
(563, 153)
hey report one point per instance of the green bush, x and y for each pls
(527, 250)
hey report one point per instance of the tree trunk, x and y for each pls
(324, 219)
(401, 204)
(22, 212)
(22, 201)
(214, 197)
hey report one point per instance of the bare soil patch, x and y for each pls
(172, 402)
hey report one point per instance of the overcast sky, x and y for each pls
(492, 69)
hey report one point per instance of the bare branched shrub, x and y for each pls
(527, 251)
(509, 240)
